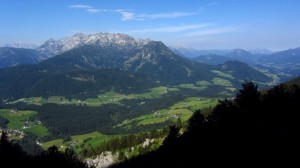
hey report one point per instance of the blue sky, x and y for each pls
(200, 24)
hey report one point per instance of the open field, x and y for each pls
(221, 82)
(16, 118)
(79, 142)
(222, 74)
(38, 130)
(183, 110)
(193, 86)
(110, 97)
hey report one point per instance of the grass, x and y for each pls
(221, 82)
(17, 118)
(183, 109)
(203, 83)
(37, 130)
(195, 103)
(55, 99)
(86, 136)
(93, 142)
(231, 89)
(110, 97)
(153, 120)
(36, 100)
(79, 142)
(222, 74)
(193, 86)
(152, 93)
(56, 142)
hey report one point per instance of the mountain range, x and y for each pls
(55, 47)
(283, 64)
(89, 63)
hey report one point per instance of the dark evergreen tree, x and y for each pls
(196, 122)
(248, 97)
(179, 123)
(172, 136)
(11, 153)
(3, 122)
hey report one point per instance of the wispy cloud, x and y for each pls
(127, 15)
(80, 6)
(212, 31)
(189, 30)
(93, 10)
(87, 8)
(172, 29)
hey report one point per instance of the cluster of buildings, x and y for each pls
(12, 133)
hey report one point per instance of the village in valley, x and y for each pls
(18, 122)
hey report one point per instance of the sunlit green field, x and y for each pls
(222, 74)
(79, 142)
(183, 110)
(110, 97)
(37, 130)
(221, 82)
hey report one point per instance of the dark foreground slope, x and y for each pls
(254, 129)
(12, 156)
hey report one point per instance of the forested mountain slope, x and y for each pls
(254, 128)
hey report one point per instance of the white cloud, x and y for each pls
(93, 10)
(127, 15)
(172, 29)
(87, 8)
(80, 6)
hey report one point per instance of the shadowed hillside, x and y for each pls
(253, 128)
(12, 155)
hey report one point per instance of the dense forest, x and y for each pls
(66, 120)
(254, 128)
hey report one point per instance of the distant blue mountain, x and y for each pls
(17, 56)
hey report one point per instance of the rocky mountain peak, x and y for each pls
(54, 47)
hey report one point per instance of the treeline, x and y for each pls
(12, 155)
(256, 128)
(3, 122)
(119, 143)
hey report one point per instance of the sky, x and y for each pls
(199, 24)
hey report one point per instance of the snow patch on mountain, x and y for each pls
(54, 47)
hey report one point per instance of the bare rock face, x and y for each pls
(103, 161)
(54, 47)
